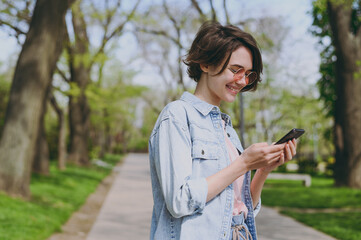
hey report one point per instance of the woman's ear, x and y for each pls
(204, 68)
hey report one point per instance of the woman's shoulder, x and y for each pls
(176, 110)
(174, 113)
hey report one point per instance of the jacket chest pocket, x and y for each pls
(205, 155)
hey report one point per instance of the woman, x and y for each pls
(200, 173)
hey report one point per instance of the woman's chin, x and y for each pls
(230, 98)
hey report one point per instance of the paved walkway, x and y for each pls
(127, 209)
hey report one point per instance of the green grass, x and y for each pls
(345, 226)
(321, 196)
(54, 198)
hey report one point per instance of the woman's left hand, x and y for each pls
(288, 153)
(290, 150)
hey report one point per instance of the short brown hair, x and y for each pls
(215, 43)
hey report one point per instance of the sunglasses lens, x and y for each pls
(239, 74)
(252, 77)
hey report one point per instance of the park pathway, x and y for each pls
(126, 212)
(127, 209)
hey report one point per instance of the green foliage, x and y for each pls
(52, 132)
(139, 140)
(54, 199)
(16, 13)
(5, 85)
(275, 108)
(357, 75)
(321, 28)
(112, 159)
(304, 111)
(320, 4)
(94, 152)
(308, 166)
(271, 112)
(113, 104)
(74, 90)
(84, 60)
(112, 97)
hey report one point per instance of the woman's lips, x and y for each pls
(234, 90)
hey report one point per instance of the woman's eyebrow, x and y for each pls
(240, 66)
(237, 65)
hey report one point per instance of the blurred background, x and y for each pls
(83, 82)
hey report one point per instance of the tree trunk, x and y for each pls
(105, 142)
(348, 90)
(102, 143)
(79, 111)
(32, 79)
(79, 127)
(62, 134)
(41, 159)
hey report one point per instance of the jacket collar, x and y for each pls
(203, 107)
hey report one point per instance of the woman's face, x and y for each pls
(214, 88)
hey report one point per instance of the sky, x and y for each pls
(299, 52)
(8, 47)
(300, 47)
(300, 55)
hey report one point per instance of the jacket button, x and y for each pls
(202, 152)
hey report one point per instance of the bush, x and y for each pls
(307, 166)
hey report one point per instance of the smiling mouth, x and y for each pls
(234, 90)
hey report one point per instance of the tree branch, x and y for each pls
(170, 15)
(16, 29)
(226, 11)
(62, 74)
(162, 33)
(116, 31)
(119, 29)
(199, 10)
(151, 104)
(55, 105)
(214, 15)
(178, 30)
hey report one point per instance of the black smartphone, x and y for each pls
(294, 133)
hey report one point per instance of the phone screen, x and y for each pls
(294, 133)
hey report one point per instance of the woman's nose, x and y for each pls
(242, 81)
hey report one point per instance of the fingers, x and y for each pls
(275, 148)
(282, 159)
(294, 141)
(288, 152)
(262, 144)
(293, 145)
(290, 149)
(274, 157)
(279, 160)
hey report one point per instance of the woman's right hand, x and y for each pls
(260, 155)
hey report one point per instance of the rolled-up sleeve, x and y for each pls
(257, 208)
(171, 149)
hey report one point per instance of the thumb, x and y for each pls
(262, 144)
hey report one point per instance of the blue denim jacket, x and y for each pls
(186, 146)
